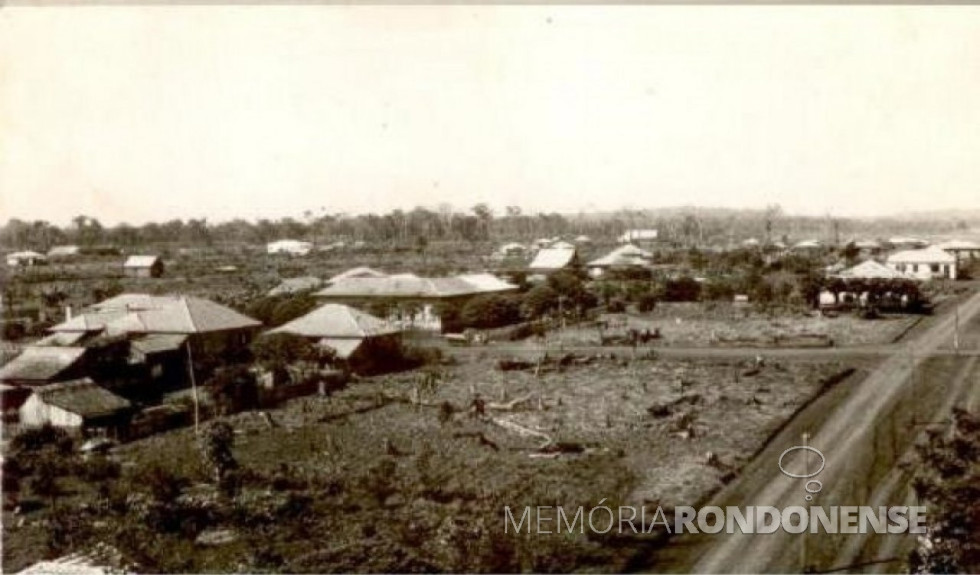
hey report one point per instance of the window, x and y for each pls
(934, 268)
(915, 268)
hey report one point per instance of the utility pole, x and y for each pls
(197, 405)
(956, 329)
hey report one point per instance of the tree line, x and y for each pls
(686, 227)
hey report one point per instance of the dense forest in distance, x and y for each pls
(685, 226)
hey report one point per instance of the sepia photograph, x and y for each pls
(328, 287)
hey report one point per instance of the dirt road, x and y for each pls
(863, 432)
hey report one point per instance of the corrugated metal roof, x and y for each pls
(82, 397)
(142, 313)
(337, 321)
(41, 363)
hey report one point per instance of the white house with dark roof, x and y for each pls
(76, 405)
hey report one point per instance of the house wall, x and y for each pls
(221, 342)
(926, 271)
(35, 413)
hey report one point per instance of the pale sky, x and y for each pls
(153, 113)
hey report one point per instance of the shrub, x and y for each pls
(539, 301)
(490, 311)
(616, 305)
(682, 289)
(646, 302)
(99, 468)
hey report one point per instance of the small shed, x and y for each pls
(77, 405)
(143, 266)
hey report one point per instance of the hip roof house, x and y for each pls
(361, 340)
(414, 297)
(210, 327)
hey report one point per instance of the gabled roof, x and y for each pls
(41, 363)
(141, 261)
(336, 321)
(358, 272)
(871, 269)
(930, 255)
(550, 259)
(296, 285)
(82, 397)
(142, 313)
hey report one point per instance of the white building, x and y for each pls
(631, 236)
(291, 247)
(924, 264)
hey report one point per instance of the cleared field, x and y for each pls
(701, 324)
(370, 481)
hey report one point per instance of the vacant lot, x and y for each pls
(379, 477)
(704, 324)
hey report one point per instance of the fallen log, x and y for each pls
(523, 431)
